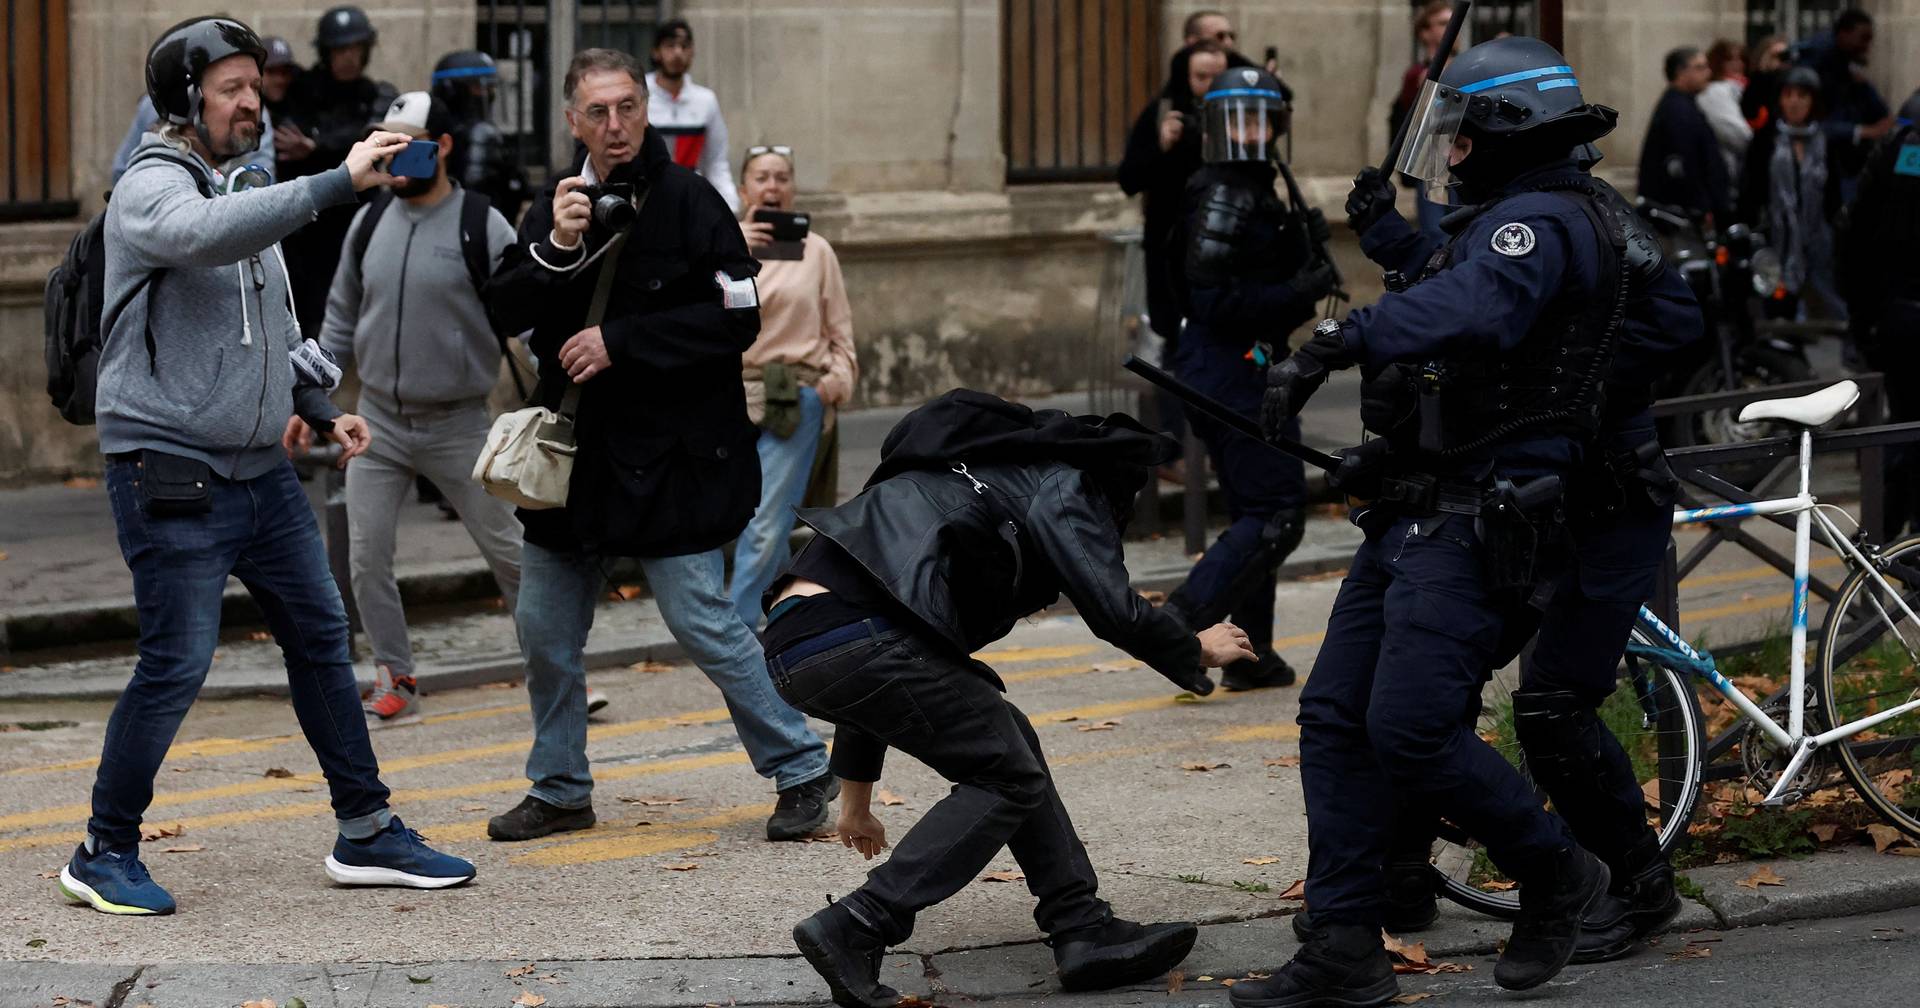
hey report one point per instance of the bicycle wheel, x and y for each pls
(1656, 717)
(1868, 649)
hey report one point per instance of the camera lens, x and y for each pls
(614, 212)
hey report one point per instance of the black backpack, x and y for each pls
(473, 248)
(77, 322)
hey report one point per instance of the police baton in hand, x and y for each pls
(1434, 66)
(1221, 412)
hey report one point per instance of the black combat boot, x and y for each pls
(1119, 953)
(1411, 904)
(1343, 964)
(802, 808)
(847, 956)
(1629, 912)
(1551, 907)
(1264, 672)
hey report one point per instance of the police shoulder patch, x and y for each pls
(1515, 239)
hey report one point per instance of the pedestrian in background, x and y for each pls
(685, 113)
(199, 311)
(1680, 164)
(1720, 103)
(800, 370)
(1429, 30)
(1792, 191)
(665, 467)
(1766, 64)
(331, 106)
(1853, 113)
(405, 311)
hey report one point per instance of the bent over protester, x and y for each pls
(981, 512)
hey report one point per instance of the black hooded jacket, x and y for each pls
(1052, 496)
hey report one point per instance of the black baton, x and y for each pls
(1219, 411)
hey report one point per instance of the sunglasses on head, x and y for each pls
(758, 149)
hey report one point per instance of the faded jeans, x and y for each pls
(558, 591)
(785, 466)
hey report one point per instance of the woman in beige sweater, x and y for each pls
(797, 373)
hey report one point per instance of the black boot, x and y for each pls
(1411, 904)
(847, 956)
(802, 808)
(533, 818)
(1119, 953)
(1627, 914)
(1263, 672)
(1343, 964)
(1550, 911)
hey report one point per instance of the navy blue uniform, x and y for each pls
(1391, 704)
(1230, 306)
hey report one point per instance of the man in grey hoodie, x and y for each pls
(195, 388)
(405, 311)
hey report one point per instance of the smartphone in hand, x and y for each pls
(419, 160)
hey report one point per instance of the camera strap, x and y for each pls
(596, 309)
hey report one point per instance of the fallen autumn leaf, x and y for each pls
(277, 772)
(529, 999)
(1296, 891)
(889, 798)
(1003, 876)
(681, 866)
(183, 849)
(1763, 875)
(1204, 767)
(1261, 861)
(1107, 725)
(1284, 761)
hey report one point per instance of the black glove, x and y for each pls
(1317, 229)
(1314, 282)
(1360, 469)
(1371, 199)
(1293, 381)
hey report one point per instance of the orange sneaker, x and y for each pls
(393, 703)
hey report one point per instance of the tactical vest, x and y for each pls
(1552, 383)
(1243, 230)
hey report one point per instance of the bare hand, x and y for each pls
(363, 159)
(298, 437)
(1171, 126)
(585, 355)
(859, 830)
(351, 433)
(1874, 131)
(759, 234)
(289, 144)
(833, 389)
(1222, 644)
(572, 212)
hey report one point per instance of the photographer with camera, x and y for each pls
(641, 297)
(197, 379)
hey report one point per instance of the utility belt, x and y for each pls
(1626, 480)
(1519, 523)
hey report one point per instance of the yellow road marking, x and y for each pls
(1757, 573)
(1037, 653)
(640, 841)
(1261, 733)
(1063, 671)
(1117, 708)
(1694, 617)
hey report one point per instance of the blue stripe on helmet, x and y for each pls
(457, 72)
(1558, 83)
(1522, 75)
(1237, 92)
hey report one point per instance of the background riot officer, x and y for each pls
(1880, 258)
(482, 158)
(1250, 277)
(330, 108)
(1499, 350)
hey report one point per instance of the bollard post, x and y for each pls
(1873, 461)
(334, 491)
(1194, 500)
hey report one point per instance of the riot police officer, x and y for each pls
(1618, 525)
(330, 107)
(483, 157)
(1485, 376)
(1251, 275)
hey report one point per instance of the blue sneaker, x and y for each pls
(395, 856)
(113, 881)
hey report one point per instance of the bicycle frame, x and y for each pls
(1684, 658)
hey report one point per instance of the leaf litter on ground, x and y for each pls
(1762, 876)
(1412, 958)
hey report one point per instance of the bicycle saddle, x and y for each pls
(1815, 409)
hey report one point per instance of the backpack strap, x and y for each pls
(152, 279)
(474, 208)
(364, 236)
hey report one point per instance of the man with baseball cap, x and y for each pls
(405, 310)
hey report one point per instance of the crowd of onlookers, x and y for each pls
(1774, 136)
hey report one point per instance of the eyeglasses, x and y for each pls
(628, 111)
(1224, 37)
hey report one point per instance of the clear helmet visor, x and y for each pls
(1242, 125)
(1433, 125)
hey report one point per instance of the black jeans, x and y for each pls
(915, 696)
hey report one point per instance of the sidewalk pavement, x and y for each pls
(1832, 884)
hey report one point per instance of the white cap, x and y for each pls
(409, 114)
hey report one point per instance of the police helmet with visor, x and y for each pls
(465, 80)
(1515, 99)
(1244, 116)
(344, 25)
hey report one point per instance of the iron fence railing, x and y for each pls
(1074, 75)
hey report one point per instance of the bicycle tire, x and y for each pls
(1869, 762)
(1686, 745)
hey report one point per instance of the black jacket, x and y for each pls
(942, 547)
(1159, 177)
(1680, 163)
(1878, 244)
(666, 463)
(1235, 299)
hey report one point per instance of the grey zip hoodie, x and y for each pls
(220, 387)
(408, 317)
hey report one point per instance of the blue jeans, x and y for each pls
(557, 595)
(785, 465)
(261, 531)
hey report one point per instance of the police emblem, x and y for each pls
(1515, 239)
(1252, 77)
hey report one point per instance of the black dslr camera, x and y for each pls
(613, 209)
